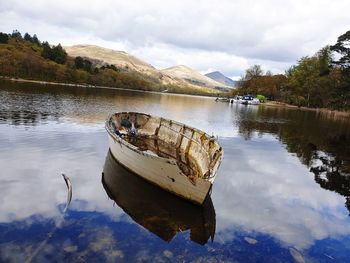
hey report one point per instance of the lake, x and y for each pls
(282, 193)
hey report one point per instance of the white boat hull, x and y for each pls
(254, 102)
(176, 157)
(160, 171)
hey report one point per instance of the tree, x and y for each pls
(36, 40)
(253, 72)
(304, 80)
(87, 65)
(79, 62)
(16, 34)
(4, 38)
(28, 37)
(249, 83)
(59, 55)
(313, 82)
(47, 52)
(84, 64)
(342, 47)
(324, 56)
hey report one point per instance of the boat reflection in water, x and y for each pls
(162, 213)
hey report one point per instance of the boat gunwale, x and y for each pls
(133, 147)
(166, 160)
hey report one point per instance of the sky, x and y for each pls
(206, 35)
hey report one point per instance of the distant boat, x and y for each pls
(159, 211)
(178, 158)
(249, 99)
(223, 99)
(236, 99)
(246, 99)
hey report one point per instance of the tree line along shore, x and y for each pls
(27, 58)
(318, 81)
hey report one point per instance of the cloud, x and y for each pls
(267, 30)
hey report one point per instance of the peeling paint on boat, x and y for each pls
(174, 156)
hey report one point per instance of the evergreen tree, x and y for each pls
(84, 64)
(59, 55)
(47, 51)
(36, 40)
(87, 65)
(79, 62)
(28, 37)
(16, 34)
(342, 47)
(4, 38)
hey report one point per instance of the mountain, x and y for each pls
(192, 77)
(178, 75)
(219, 77)
(101, 56)
(27, 59)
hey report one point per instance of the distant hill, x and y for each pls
(178, 75)
(193, 77)
(219, 77)
(30, 59)
(21, 58)
(101, 55)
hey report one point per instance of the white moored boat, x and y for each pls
(178, 158)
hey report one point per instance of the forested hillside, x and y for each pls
(28, 58)
(318, 81)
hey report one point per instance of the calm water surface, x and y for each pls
(282, 193)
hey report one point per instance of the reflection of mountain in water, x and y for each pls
(321, 142)
(160, 212)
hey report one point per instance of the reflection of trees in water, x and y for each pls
(30, 103)
(26, 108)
(320, 142)
(328, 175)
(27, 118)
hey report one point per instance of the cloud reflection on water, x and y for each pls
(33, 184)
(268, 191)
(262, 188)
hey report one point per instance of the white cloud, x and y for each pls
(198, 33)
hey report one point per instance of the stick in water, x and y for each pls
(70, 189)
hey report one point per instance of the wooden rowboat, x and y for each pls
(178, 158)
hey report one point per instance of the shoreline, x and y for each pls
(41, 82)
(345, 114)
